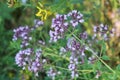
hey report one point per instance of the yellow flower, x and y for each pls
(43, 13)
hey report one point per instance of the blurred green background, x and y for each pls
(94, 11)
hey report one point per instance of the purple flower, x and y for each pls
(52, 73)
(59, 27)
(23, 57)
(61, 22)
(41, 42)
(102, 31)
(77, 55)
(73, 66)
(63, 52)
(37, 23)
(76, 17)
(36, 66)
(23, 33)
(83, 35)
(31, 60)
(98, 74)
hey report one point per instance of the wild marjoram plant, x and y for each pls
(77, 54)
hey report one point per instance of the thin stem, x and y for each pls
(75, 36)
(101, 60)
(51, 54)
(69, 70)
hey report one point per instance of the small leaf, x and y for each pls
(105, 57)
(118, 67)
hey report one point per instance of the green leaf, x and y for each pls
(99, 65)
(105, 57)
(76, 1)
(103, 46)
(15, 45)
(5, 11)
(118, 67)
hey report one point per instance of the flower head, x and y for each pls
(59, 26)
(76, 17)
(102, 31)
(31, 60)
(43, 13)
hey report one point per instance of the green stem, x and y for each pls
(51, 54)
(101, 60)
(69, 70)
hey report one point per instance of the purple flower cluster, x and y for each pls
(76, 17)
(59, 26)
(83, 35)
(23, 33)
(77, 52)
(22, 57)
(31, 60)
(102, 31)
(77, 55)
(61, 23)
(76, 47)
(52, 73)
(28, 58)
(73, 67)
